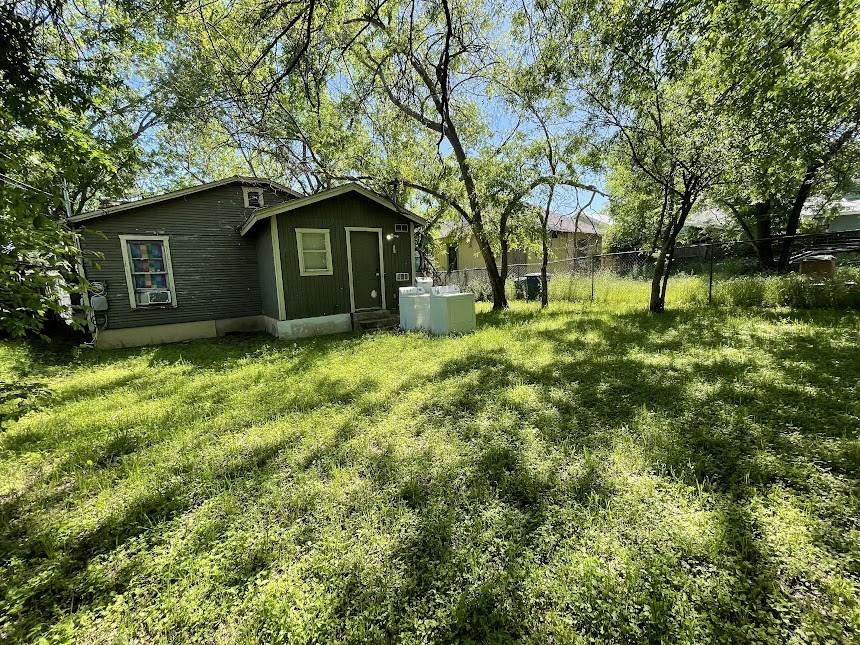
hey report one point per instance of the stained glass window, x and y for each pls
(148, 266)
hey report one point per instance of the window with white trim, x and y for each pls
(148, 272)
(314, 249)
(253, 197)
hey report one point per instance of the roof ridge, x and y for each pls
(180, 192)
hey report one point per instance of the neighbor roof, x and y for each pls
(182, 192)
(715, 217)
(588, 223)
(277, 209)
(849, 204)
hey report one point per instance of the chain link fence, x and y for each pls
(823, 271)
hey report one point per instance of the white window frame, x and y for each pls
(329, 270)
(253, 189)
(168, 267)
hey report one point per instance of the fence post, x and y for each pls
(711, 274)
(592, 278)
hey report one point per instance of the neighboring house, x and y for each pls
(844, 215)
(847, 216)
(460, 251)
(244, 254)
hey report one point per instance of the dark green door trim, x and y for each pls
(363, 276)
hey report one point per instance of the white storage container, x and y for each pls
(414, 309)
(452, 313)
(448, 288)
(424, 284)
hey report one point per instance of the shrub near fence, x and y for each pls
(727, 275)
(842, 290)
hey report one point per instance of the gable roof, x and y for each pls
(588, 223)
(595, 223)
(182, 192)
(277, 209)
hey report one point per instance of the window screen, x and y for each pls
(314, 251)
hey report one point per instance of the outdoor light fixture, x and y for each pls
(389, 237)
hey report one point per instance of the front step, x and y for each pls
(376, 319)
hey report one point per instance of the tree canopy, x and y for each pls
(489, 113)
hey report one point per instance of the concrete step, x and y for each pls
(377, 319)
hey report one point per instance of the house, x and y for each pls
(567, 239)
(847, 215)
(243, 254)
(826, 215)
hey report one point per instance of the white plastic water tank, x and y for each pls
(452, 313)
(414, 309)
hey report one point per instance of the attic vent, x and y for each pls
(401, 228)
(253, 197)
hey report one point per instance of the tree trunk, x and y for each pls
(500, 300)
(658, 300)
(759, 232)
(805, 190)
(763, 233)
(544, 281)
(794, 216)
(497, 278)
(664, 258)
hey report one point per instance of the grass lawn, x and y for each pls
(585, 473)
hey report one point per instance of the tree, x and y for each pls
(791, 68)
(440, 64)
(72, 119)
(404, 96)
(40, 137)
(260, 73)
(637, 70)
(751, 103)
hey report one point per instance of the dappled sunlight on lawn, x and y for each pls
(586, 471)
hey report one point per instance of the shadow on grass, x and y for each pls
(732, 441)
(724, 425)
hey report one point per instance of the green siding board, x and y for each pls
(324, 295)
(266, 270)
(214, 268)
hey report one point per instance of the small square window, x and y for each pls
(401, 228)
(253, 197)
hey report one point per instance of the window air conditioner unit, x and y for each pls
(155, 297)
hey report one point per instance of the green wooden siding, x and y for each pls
(324, 295)
(266, 270)
(214, 268)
